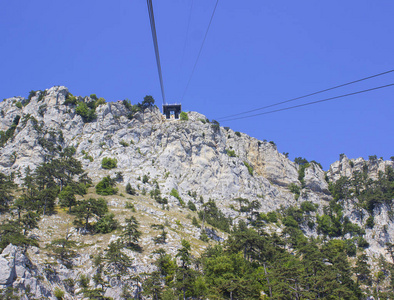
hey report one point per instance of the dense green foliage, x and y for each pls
(106, 224)
(109, 163)
(88, 114)
(131, 234)
(250, 263)
(6, 191)
(139, 107)
(214, 217)
(85, 108)
(88, 209)
(130, 190)
(183, 116)
(249, 167)
(303, 164)
(370, 193)
(231, 153)
(175, 194)
(106, 186)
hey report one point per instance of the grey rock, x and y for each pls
(7, 265)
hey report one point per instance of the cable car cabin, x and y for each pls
(172, 111)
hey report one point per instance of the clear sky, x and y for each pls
(257, 52)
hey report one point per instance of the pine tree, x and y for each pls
(116, 259)
(90, 208)
(131, 234)
(67, 198)
(63, 250)
(6, 187)
(362, 269)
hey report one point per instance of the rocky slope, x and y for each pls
(194, 157)
(185, 155)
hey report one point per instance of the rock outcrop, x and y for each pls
(184, 155)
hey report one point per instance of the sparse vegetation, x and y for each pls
(130, 190)
(231, 153)
(124, 143)
(249, 167)
(183, 116)
(109, 163)
(295, 189)
(175, 194)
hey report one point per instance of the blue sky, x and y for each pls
(257, 53)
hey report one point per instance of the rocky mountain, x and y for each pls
(197, 159)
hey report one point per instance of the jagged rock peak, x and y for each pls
(348, 167)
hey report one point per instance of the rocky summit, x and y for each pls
(190, 185)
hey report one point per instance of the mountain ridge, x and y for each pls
(194, 157)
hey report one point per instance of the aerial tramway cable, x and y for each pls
(222, 119)
(199, 52)
(156, 46)
(310, 103)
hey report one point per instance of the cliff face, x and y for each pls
(185, 155)
(194, 157)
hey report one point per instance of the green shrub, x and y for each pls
(99, 102)
(289, 221)
(106, 224)
(106, 187)
(204, 237)
(237, 133)
(130, 205)
(31, 95)
(272, 217)
(5, 136)
(231, 153)
(370, 222)
(109, 163)
(124, 143)
(195, 222)
(215, 217)
(127, 104)
(191, 206)
(215, 125)
(70, 100)
(18, 105)
(130, 190)
(362, 242)
(183, 116)
(89, 157)
(58, 293)
(308, 206)
(42, 95)
(175, 194)
(249, 167)
(145, 179)
(87, 114)
(84, 281)
(295, 189)
(350, 247)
